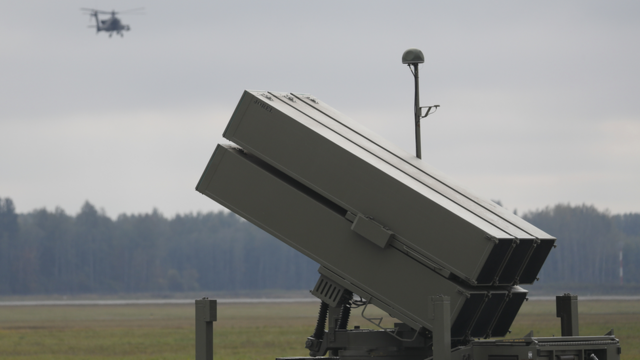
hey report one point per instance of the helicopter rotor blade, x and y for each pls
(130, 10)
(93, 12)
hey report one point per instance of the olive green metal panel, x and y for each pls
(305, 106)
(552, 348)
(410, 163)
(319, 229)
(439, 229)
(524, 266)
(274, 202)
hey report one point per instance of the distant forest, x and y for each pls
(52, 252)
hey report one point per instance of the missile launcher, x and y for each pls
(384, 225)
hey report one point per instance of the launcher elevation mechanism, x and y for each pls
(384, 225)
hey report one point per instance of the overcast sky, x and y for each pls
(539, 100)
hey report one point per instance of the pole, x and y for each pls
(441, 327)
(206, 314)
(567, 311)
(417, 111)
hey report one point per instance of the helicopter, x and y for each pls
(110, 25)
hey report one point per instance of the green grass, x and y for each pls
(247, 331)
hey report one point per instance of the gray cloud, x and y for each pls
(538, 100)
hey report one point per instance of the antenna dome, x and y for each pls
(413, 56)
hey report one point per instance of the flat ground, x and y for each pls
(247, 331)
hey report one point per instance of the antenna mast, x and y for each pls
(414, 57)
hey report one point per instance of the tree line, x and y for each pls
(589, 243)
(46, 252)
(52, 252)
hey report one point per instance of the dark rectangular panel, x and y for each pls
(490, 311)
(536, 261)
(467, 315)
(509, 312)
(517, 261)
(497, 257)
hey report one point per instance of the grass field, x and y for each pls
(246, 331)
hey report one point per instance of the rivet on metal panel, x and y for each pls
(470, 280)
(491, 238)
(464, 293)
